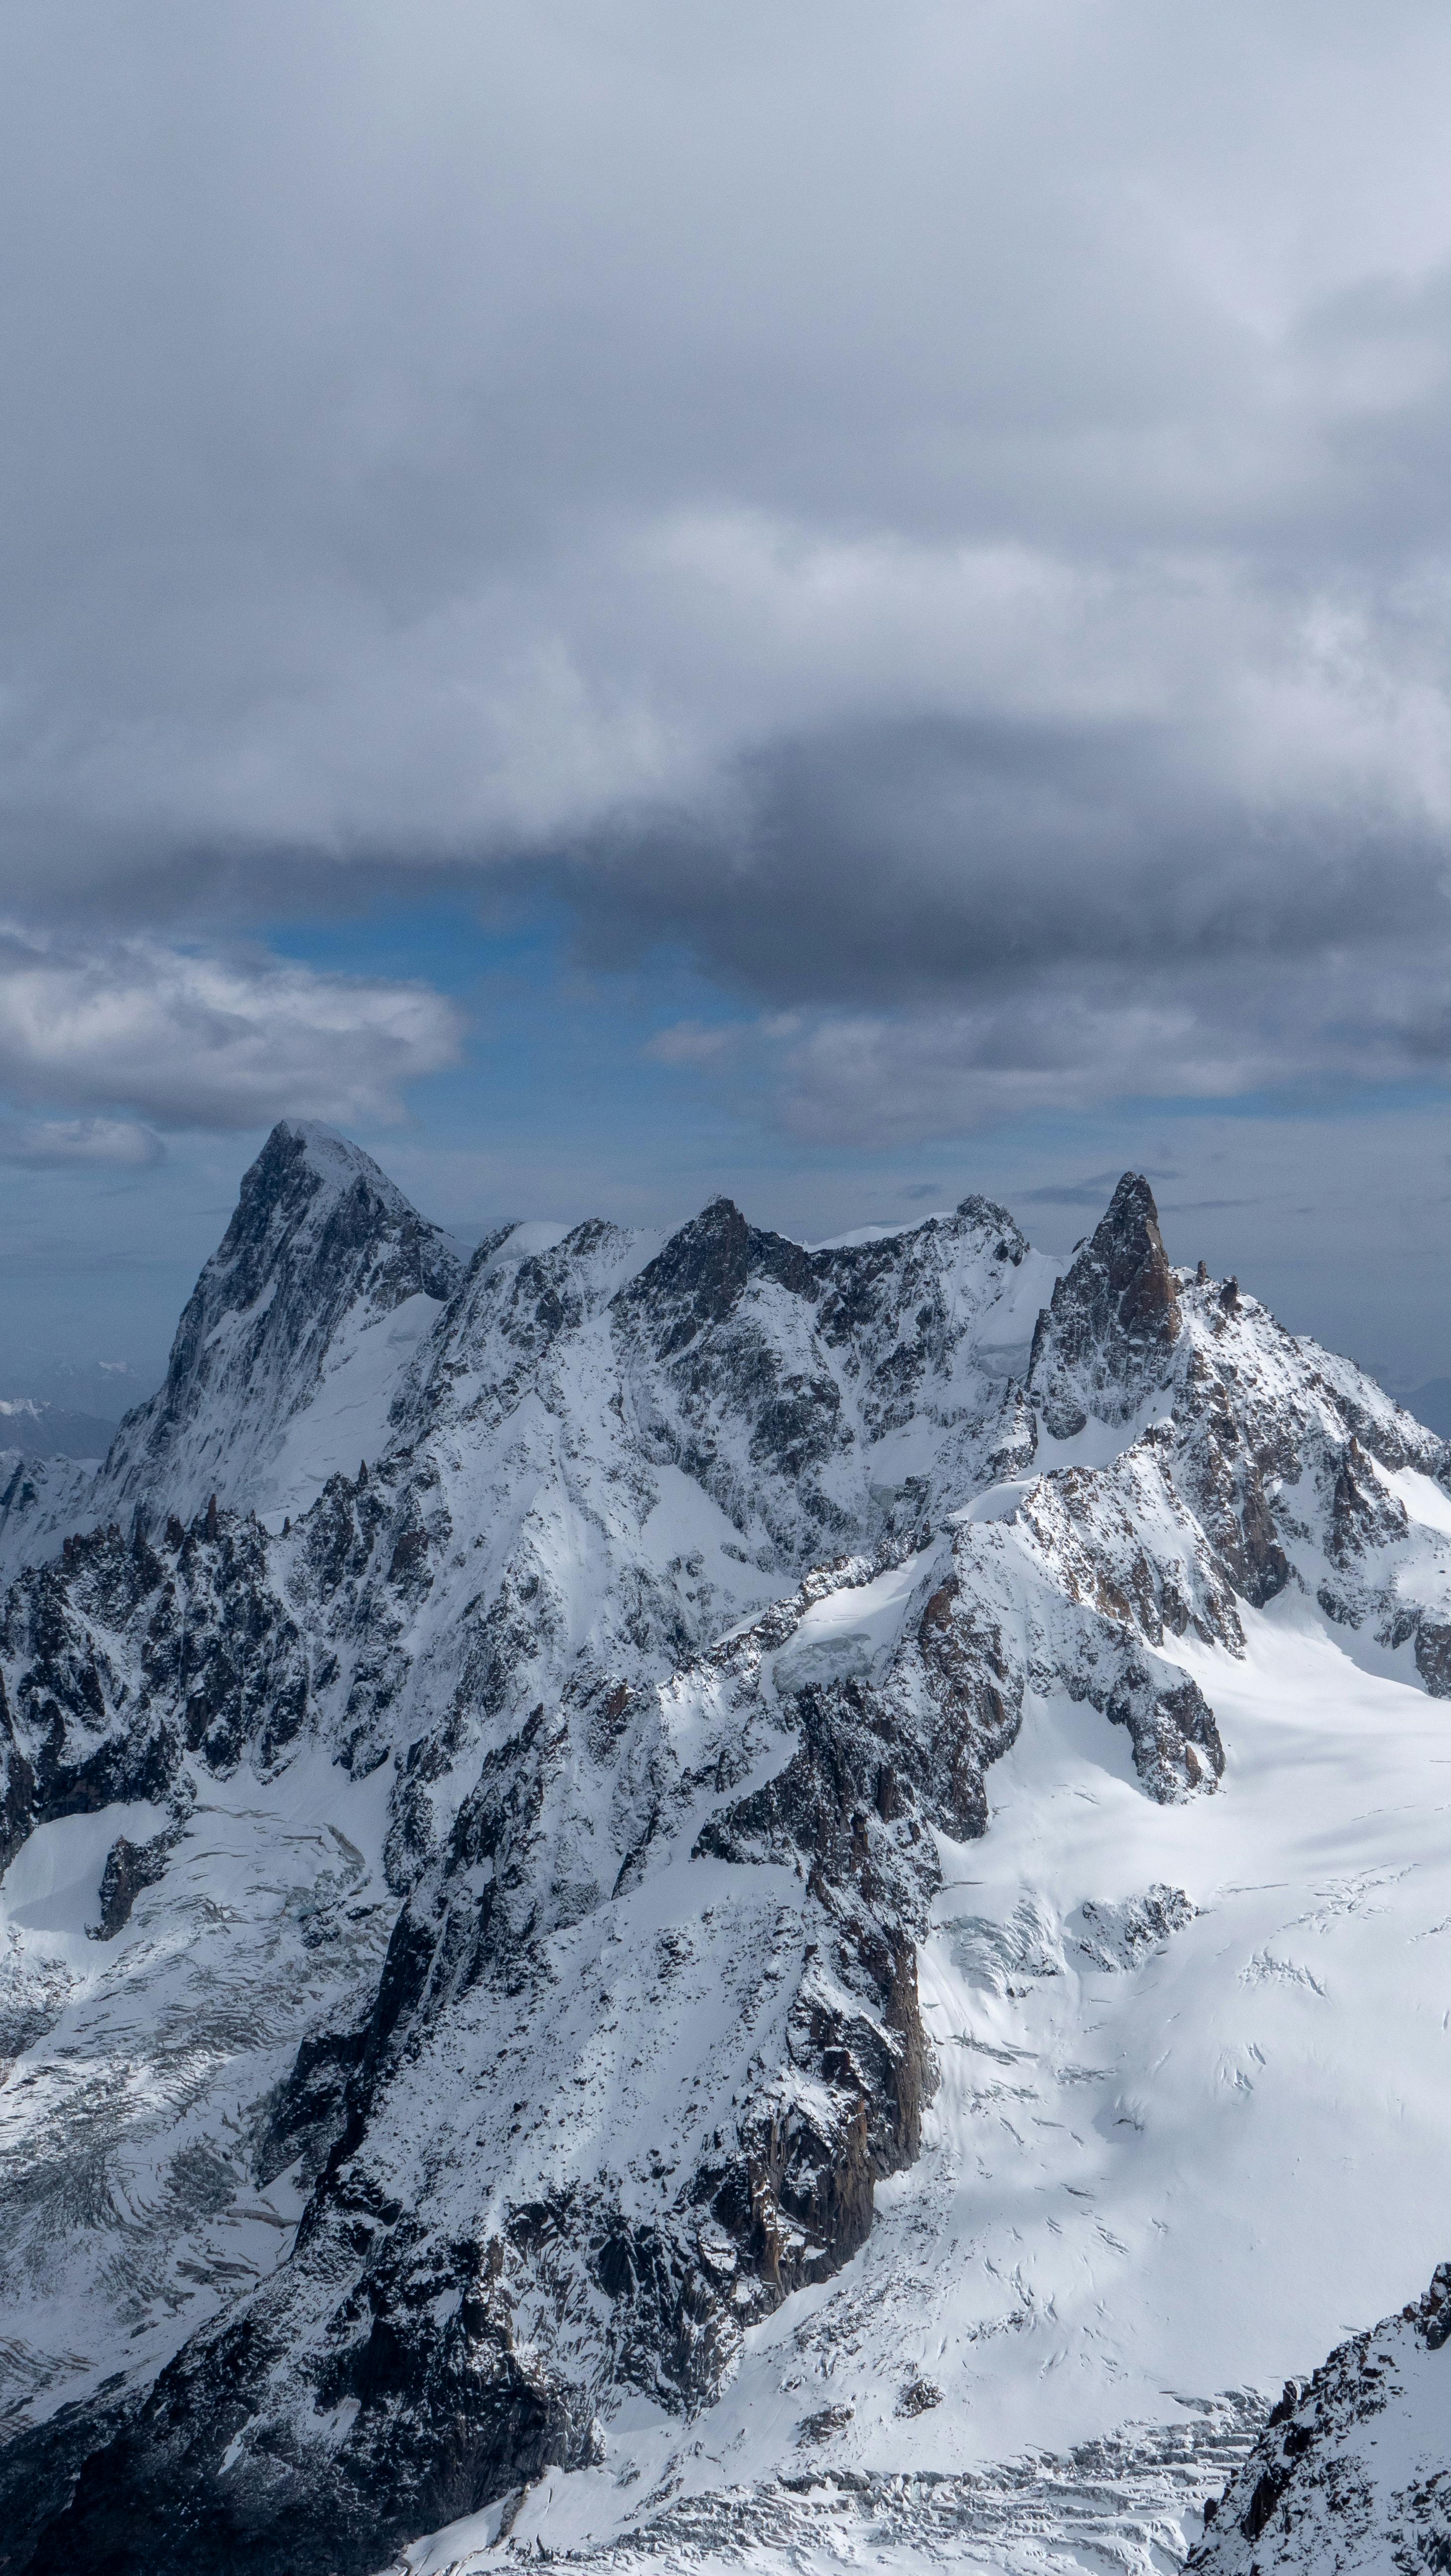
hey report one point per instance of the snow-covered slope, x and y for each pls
(825, 1865)
(41, 1497)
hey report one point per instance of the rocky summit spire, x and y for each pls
(1113, 1320)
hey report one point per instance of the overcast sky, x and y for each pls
(840, 603)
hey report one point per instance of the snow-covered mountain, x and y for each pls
(651, 1886)
(286, 1360)
(287, 1352)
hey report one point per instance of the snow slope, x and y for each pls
(135, 2057)
(830, 1882)
(1145, 2137)
(40, 1498)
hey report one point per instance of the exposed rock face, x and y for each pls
(771, 1374)
(703, 1273)
(1111, 1327)
(128, 1657)
(595, 1743)
(1116, 1937)
(130, 1867)
(1350, 2473)
(1363, 1516)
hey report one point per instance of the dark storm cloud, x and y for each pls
(940, 516)
(889, 861)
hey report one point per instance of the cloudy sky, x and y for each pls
(839, 603)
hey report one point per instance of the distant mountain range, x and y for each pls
(34, 1427)
(702, 1901)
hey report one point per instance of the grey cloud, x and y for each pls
(941, 519)
(1089, 1193)
(893, 860)
(59, 1144)
(891, 1079)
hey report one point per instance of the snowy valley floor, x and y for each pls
(1161, 2173)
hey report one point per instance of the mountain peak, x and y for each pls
(320, 1244)
(300, 1159)
(1113, 1319)
(1133, 1201)
(701, 1274)
(298, 1184)
(1129, 1249)
(532, 1846)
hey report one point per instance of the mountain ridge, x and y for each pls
(654, 1669)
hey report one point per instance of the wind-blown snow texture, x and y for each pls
(809, 1869)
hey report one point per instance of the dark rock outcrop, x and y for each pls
(1110, 1330)
(1349, 2472)
(130, 1867)
(703, 1272)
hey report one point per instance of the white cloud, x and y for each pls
(187, 1038)
(693, 1042)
